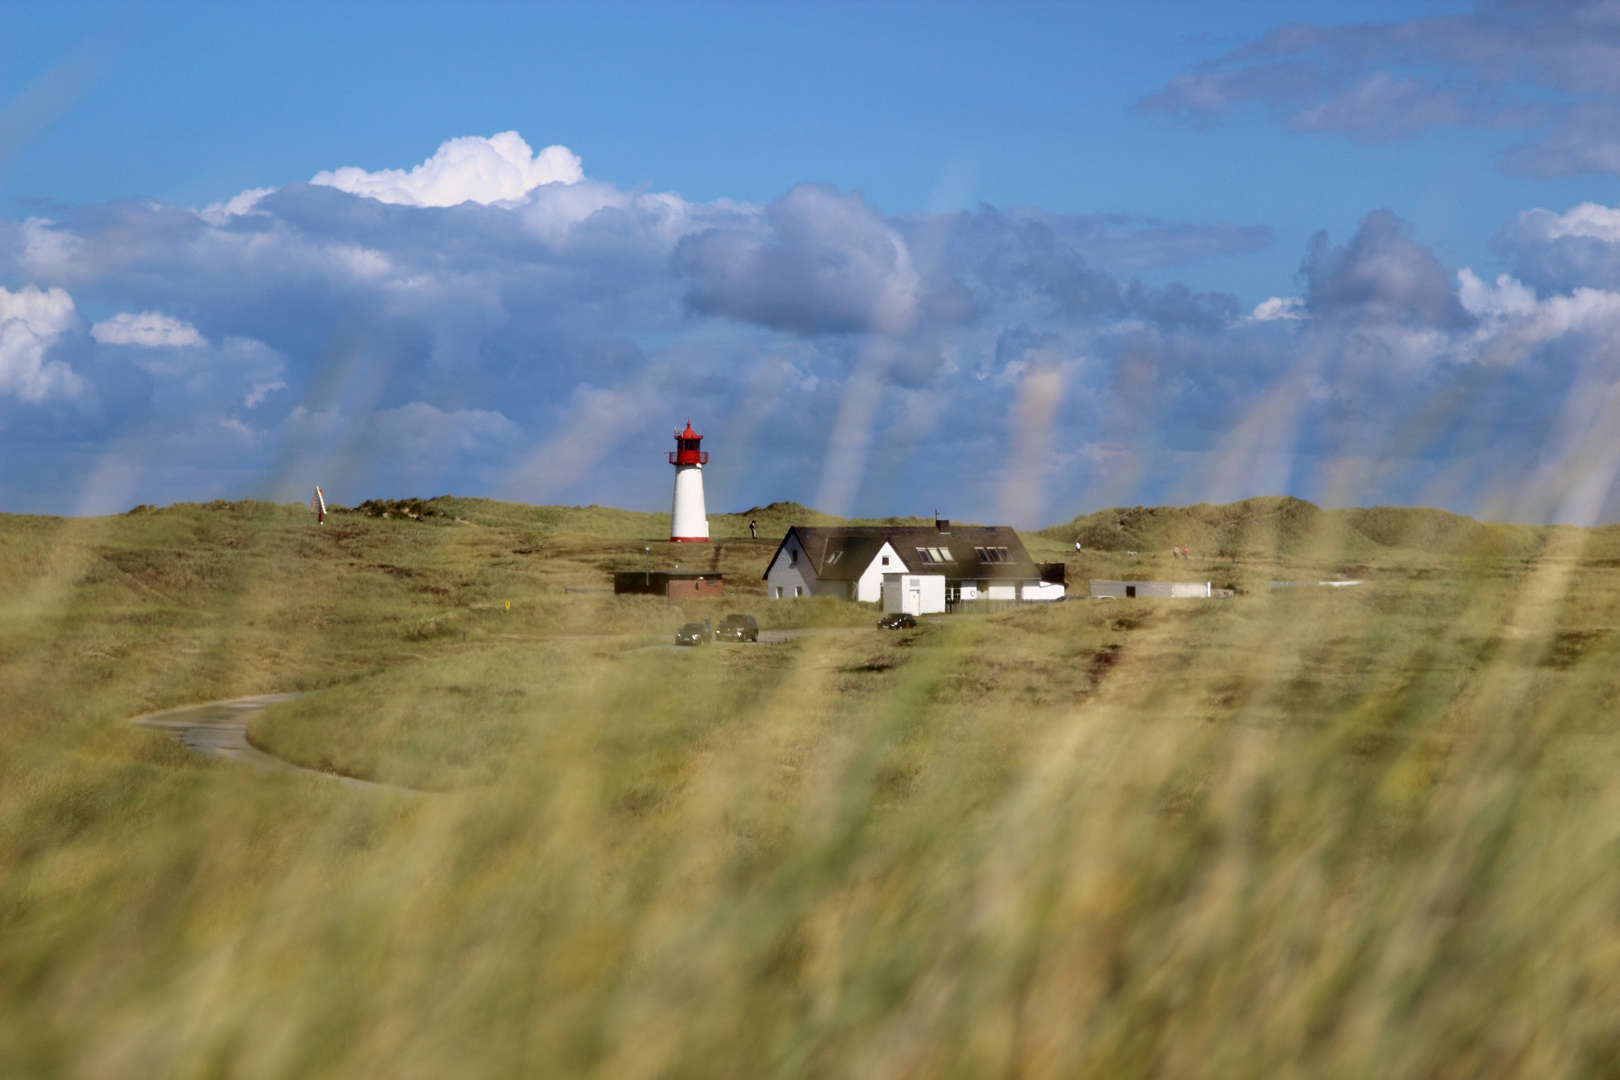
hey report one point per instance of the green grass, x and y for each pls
(1302, 832)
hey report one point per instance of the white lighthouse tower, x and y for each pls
(689, 523)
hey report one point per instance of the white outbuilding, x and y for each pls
(915, 569)
(1123, 590)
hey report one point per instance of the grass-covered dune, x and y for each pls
(1280, 525)
(1297, 832)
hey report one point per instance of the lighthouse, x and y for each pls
(689, 522)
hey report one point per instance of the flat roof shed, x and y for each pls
(675, 584)
(1171, 589)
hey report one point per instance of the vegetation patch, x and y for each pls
(1177, 838)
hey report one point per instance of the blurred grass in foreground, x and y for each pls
(1301, 832)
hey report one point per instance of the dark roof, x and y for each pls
(842, 553)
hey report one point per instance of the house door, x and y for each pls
(915, 604)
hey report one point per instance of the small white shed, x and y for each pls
(1173, 589)
(913, 594)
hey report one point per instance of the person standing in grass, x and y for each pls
(753, 530)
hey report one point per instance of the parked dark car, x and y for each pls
(902, 621)
(694, 633)
(737, 627)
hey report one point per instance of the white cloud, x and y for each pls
(47, 312)
(148, 328)
(469, 169)
(260, 392)
(30, 320)
(554, 337)
(1509, 297)
(245, 203)
(1279, 307)
(1589, 220)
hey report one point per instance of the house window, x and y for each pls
(934, 554)
(798, 590)
(834, 557)
(779, 592)
(993, 554)
(793, 557)
(885, 560)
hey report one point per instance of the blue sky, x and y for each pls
(1014, 261)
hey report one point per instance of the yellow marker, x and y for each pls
(509, 605)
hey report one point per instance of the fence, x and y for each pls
(986, 607)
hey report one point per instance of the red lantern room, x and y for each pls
(686, 450)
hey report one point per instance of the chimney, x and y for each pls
(941, 524)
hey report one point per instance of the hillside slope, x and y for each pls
(1282, 525)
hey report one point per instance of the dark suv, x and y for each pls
(694, 633)
(736, 627)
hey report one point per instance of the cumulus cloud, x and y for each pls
(1558, 252)
(243, 203)
(542, 347)
(1381, 273)
(1548, 69)
(1279, 307)
(816, 261)
(469, 169)
(31, 320)
(148, 328)
(1588, 220)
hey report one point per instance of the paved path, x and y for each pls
(220, 728)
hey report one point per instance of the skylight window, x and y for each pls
(993, 554)
(834, 557)
(934, 555)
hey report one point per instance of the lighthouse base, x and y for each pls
(688, 520)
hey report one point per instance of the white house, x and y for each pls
(918, 569)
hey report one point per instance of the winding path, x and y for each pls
(220, 728)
